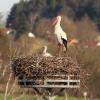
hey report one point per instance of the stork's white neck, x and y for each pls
(45, 49)
(58, 21)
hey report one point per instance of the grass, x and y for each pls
(14, 97)
(33, 97)
(69, 98)
(30, 97)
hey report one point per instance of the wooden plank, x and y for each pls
(56, 86)
(62, 80)
(70, 83)
(51, 86)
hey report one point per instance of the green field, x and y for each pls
(27, 97)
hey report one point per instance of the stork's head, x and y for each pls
(57, 19)
(45, 47)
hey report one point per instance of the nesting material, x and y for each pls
(38, 67)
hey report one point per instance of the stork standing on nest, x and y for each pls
(45, 53)
(61, 36)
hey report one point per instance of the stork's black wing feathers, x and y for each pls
(65, 43)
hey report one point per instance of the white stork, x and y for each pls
(45, 53)
(31, 35)
(61, 36)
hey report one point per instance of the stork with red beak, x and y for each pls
(61, 36)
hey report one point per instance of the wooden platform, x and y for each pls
(69, 81)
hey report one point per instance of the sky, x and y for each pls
(5, 5)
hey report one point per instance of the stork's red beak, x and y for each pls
(54, 21)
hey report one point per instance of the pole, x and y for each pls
(65, 94)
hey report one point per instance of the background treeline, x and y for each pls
(25, 15)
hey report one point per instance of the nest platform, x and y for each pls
(51, 72)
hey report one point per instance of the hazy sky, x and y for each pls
(5, 5)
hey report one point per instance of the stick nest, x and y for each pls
(33, 67)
